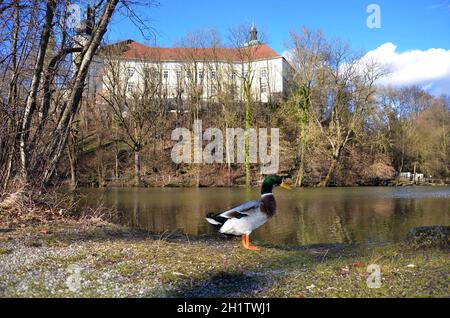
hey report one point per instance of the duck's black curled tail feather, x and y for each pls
(215, 220)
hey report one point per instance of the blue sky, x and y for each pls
(414, 38)
(416, 24)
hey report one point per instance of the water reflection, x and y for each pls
(305, 216)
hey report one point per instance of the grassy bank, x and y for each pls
(114, 262)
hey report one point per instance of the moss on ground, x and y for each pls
(5, 250)
(116, 263)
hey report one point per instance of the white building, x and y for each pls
(210, 71)
(418, 177)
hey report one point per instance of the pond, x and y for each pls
(304, 216)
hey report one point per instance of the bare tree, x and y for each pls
(16, 55)
(200, 68)
(246, 50)
(137, 105)
(43, 85)
(307, 53)
(346, 100)
(52, 95)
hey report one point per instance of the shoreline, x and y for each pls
(113, 186)
(114, 261)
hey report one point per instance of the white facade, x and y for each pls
(209, 72)
(269, 77)
(418, 177)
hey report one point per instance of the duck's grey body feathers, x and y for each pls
(244, 218)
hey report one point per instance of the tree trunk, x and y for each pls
(400, 170)
(35, 82)
(137, 168)
(198, 166)
(61, 133)
(9, 144)
(73, 166)
(228, 160)
(301, 170)
(100, 163)
(330, 173)
(73, 174)
(304, 106)
(247, 87)
(7, 175)
(116, 158)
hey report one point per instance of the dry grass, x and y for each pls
(116, 262)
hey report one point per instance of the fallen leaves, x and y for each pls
(358, 264)
(45, 231)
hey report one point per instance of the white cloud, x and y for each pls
(429, 69)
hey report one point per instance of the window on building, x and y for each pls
(263, 88)
(151, 73)
(201, 75)
(154, 72)
(233, 76)
(165, 74)
(130, 87)
(264, 72)
(178, 74)
(131, 71)
(213, 74)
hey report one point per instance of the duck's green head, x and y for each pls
(273, 181)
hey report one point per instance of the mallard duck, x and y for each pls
(245, 218)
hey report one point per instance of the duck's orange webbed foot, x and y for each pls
(246, 243)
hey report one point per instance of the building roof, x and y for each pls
(135, 50)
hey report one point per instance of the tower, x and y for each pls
(83, 33)
(253, 38)
(86, 26)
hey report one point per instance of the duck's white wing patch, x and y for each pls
(246, 209)
(213, 222)
(243, 223)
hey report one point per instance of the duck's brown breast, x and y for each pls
(268, 205)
